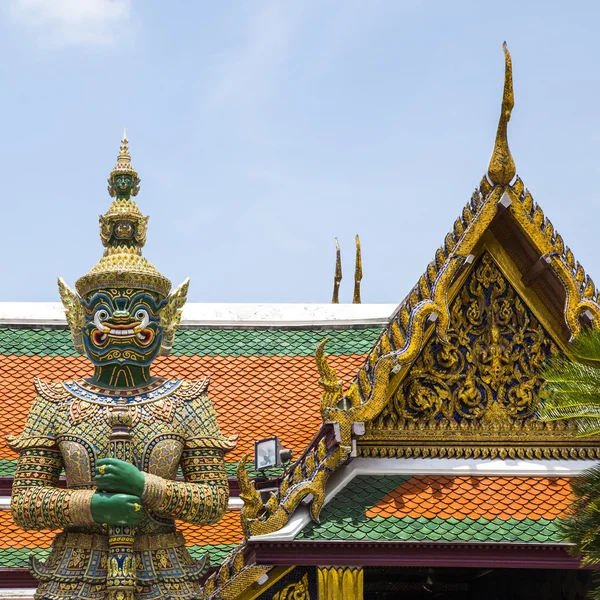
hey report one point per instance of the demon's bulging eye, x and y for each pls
(141, 315)
(102, 315)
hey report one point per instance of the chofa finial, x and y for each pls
(502, 167)
(357, 273)
(337, 278)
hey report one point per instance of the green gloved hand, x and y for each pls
(116, 509)
(119, 477)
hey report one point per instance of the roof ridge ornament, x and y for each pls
(358, 272)
(337, 278)
(502, 169)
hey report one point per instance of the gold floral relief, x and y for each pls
(165, 457)
(294, 591)
(77, 463)
(487, 375)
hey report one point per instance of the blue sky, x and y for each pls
(264, 129)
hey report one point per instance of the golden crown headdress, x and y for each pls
(123, 234)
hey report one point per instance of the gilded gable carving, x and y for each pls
(487, 375)
(478, 394)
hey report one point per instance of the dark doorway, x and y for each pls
(409, 583)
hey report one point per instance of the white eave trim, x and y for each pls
(427, 466)
(22, 593)
(197, 314)
(234, 503)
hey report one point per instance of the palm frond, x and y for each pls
(572, 389)
(572, 392)
(565, 372)
(587, 345)
(550, 412)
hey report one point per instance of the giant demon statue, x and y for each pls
(121, 434)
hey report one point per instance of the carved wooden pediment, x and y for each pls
(477, 395)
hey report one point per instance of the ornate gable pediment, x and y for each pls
(477, 394)
(456, 372)
(487, 373)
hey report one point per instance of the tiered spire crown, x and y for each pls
(123, 166)
(123, 234)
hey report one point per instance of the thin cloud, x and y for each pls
(73, 22)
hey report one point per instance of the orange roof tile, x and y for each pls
(473, 497)
(227, 531)
(255, 396)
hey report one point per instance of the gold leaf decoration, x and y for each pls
(294, 591)
(486, 376)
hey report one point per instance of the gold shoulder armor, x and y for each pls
(50, 391)
(190, 390)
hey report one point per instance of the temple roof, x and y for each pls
(443, 508)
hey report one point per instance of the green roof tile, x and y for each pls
(7, 467)
(13, 558)
(206, 342)
(344, 518)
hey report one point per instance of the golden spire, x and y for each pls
(337, 279)
(123, 234)
(124, 156)
(123, 167)
(357, 273)
(502, 167)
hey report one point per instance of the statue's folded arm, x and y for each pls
(36, 502)
(202, 498)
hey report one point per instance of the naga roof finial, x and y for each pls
(357, 273)
(502, 167)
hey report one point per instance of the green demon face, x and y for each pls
(123, 184)
(122, 326)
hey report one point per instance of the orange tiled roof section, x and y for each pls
(254, 396)
(227, 531)
(474, 497)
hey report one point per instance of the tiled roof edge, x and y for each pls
(199, 315)
(427, 466)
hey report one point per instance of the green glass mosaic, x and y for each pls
(344, 519)
(206, 342)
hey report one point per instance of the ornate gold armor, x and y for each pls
(173, 424)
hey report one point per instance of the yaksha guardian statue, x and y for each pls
(121, 434)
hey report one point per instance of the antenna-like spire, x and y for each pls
(357, 273)
(337, 279)
(124, 157)
(502, 167)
